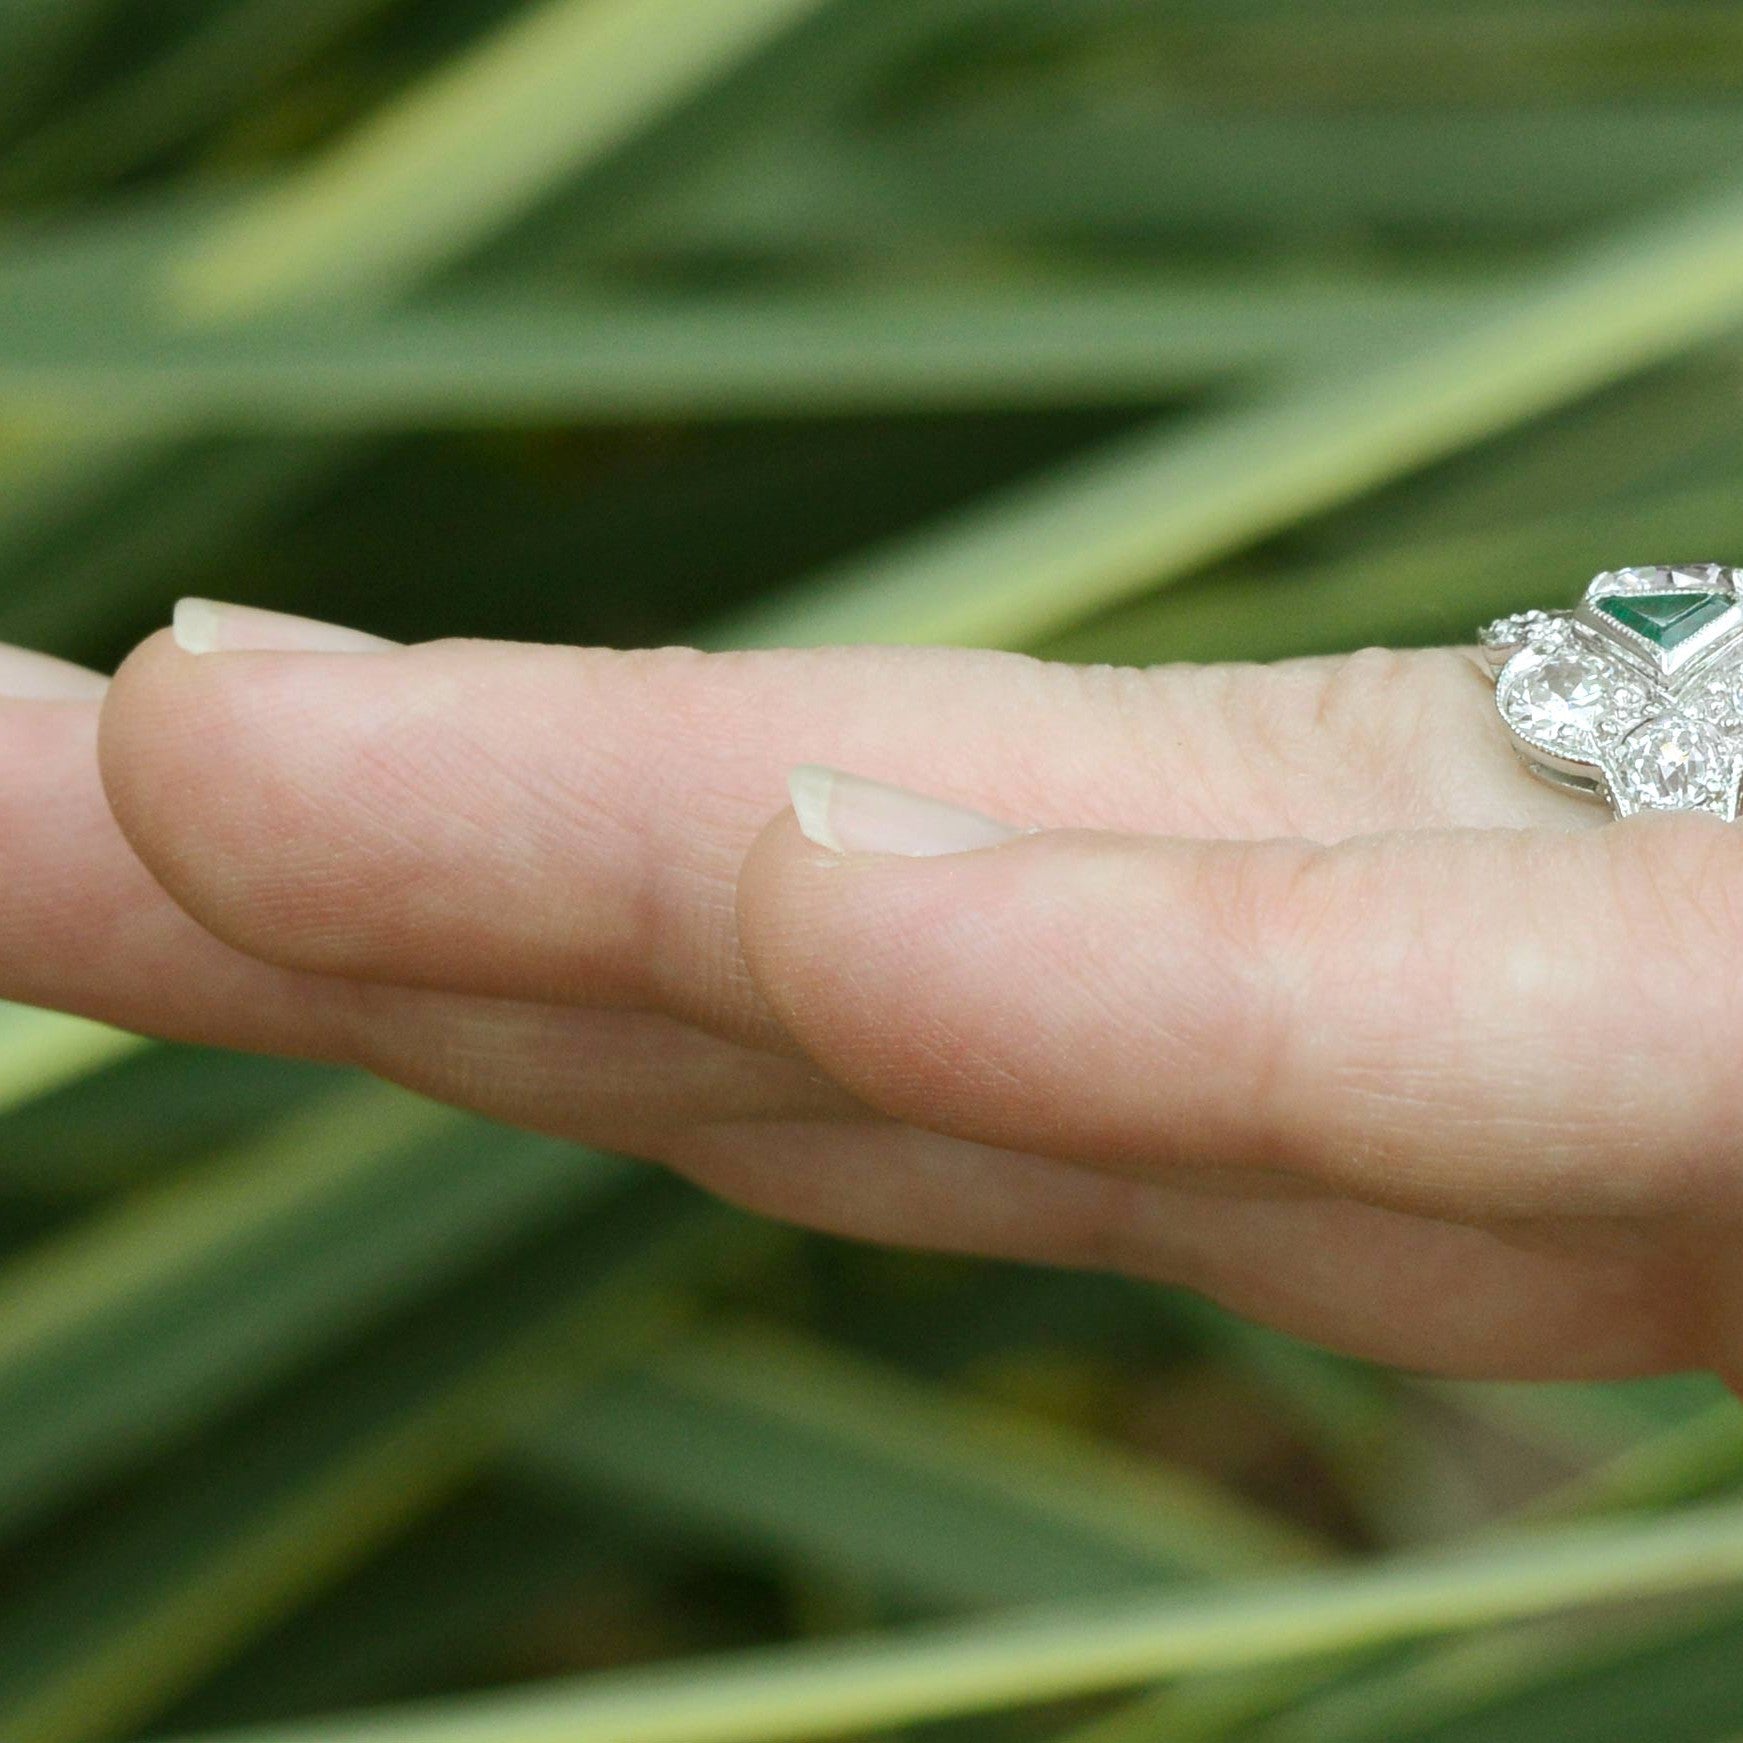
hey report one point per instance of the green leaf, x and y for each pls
(1147, 509)
(560, 85)
(110, 566)
(493, 361)
(780, 1447)
(967, 1667)
(84, 1140)
(233, 55)
(236, 1532)
(42, 1051)
(1666, 1674)
(1168, 170)
(1437, 592)
(1697, 1452)
(458, 1589)
(144, 1321)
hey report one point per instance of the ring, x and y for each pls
(1636, 695)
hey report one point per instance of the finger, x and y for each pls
(1370, 1282)
(632, 1081)
(27, 676)
(84, 928)
(1475, 1025)
(567, 826)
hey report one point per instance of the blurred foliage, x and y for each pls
(1120, 329)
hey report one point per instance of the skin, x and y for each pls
(1304, 995)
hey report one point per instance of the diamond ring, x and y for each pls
(1636, 695)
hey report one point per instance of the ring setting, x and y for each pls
(1635, 696)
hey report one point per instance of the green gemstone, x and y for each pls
(1666, 619)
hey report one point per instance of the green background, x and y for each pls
(1124, 330)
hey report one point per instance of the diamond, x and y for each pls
(1714, 575)
(1659, 578)
(1626, 703)
(1719, 700)
(1510, 631)
(1667, 620)
(1552, 635)
(1555, 698)
(1651, 579)
(1673, 763)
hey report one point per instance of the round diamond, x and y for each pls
(1556, 698)
(1673, 763)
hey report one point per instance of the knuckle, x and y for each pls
(1272, 920)
(1373, 716)
(1404, 689)
(1346, 1070)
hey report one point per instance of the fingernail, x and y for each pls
(849, 814)
(203, 626)
(26, 676)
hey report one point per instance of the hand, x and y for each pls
(1304, 995)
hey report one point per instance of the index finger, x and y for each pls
(568, 824)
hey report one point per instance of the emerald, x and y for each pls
(1666, 619)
